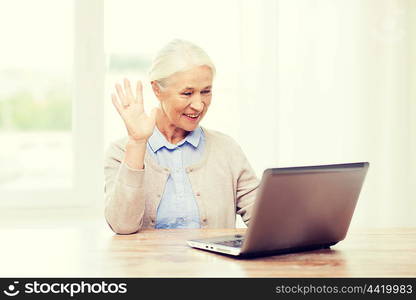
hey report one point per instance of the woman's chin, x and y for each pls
(190, 127)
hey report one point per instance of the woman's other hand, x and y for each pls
(130, 107)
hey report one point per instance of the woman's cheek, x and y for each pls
(179, 114)
(206, 107)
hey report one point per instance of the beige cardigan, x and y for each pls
(223, 182)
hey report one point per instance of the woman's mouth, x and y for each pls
(192, 117)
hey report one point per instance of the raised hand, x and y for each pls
(139, 125)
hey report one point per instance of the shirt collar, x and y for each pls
(157, 140)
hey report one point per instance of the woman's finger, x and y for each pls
(116, 103)
(139, 92)
(120, 93)
(128, 90)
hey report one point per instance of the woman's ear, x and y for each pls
(156, 88)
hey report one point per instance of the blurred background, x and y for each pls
(299, 82)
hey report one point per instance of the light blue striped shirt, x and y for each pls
(178, 207)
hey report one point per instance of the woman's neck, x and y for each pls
(172, 133)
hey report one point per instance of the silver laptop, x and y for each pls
(296, 209)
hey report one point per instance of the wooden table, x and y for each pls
(94, 251)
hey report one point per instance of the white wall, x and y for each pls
(344, 70)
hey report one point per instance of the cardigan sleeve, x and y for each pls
(123, 192)
(247, 185)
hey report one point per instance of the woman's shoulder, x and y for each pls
(223, 147)
(219, 138)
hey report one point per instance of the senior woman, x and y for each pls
(170, 172)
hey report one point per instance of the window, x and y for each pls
(36, 99)
(45, 120)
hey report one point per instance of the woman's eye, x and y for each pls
(202, 92)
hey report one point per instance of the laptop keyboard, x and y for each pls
(232, 243)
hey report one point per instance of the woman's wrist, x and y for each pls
(133, 142)
(135, 151)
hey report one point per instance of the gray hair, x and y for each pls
(178, 55)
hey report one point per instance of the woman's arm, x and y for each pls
(124, 167)
(124, 187)
(135, 152)
(247, 185)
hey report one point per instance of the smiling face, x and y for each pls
(186, 98)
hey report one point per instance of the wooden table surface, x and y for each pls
(97, 252)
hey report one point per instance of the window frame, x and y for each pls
(87, 119)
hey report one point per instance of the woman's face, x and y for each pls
(186, 97)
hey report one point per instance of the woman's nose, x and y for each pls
(197, 103)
